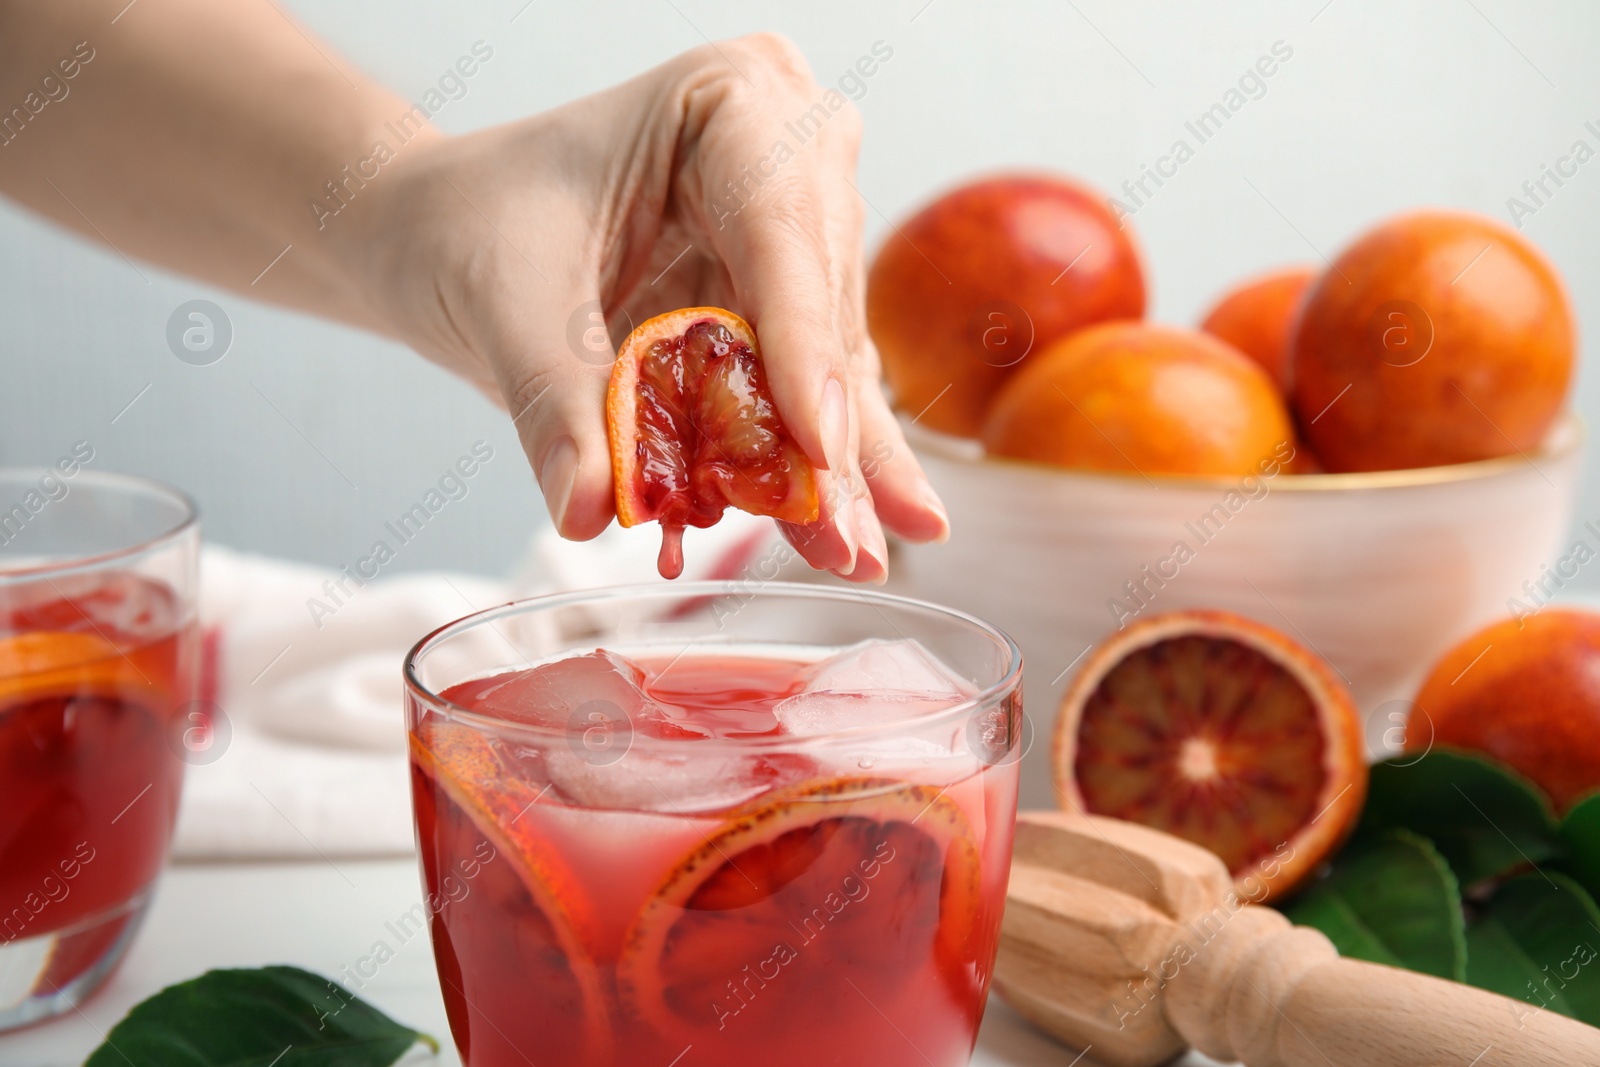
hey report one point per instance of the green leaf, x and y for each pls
(1538, 940)
(1580, 831)
(271, 1017)
(1484, 819)
(1390, 899)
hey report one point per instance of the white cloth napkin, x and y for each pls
(308, 757)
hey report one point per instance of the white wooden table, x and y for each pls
(325, 917)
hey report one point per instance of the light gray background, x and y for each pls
(307, 436)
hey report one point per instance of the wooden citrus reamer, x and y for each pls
(1132, 943)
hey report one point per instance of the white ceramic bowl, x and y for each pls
(1378, 572)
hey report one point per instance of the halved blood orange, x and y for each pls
(1223, 731)
(544, 924)
(694, 430)
(867, 879)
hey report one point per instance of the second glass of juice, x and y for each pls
(715, 823)
(99, 653)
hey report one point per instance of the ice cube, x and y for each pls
(124, 608)
(911, 759)
(826, 711)
(876, 683)
(871, 683)
(579, 692)
(935, 753)
(617, 749)
(902, 667)
(687, 778)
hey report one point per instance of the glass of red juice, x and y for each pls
(715, 823)
(98, 662)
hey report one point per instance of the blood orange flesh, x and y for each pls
(538, 923)
(1223, 732)
(863, 880)
(694, 430)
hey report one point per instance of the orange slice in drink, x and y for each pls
(545, 923)
(55, 663)
(1223, 731)
(868, 880)
(694, 430)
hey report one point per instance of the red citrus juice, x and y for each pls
(623, 895)
(93, 670)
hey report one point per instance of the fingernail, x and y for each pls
(844, 522)
(557, 475)
(833, 424)
(873, 543)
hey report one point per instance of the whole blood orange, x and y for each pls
(1128, 396)
(1223, 731)
(1257, 317)
(694, 430)
(1438, 337)
(1525, 692)
(965, 289)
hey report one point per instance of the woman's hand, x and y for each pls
(722, 177)
(497, 254)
